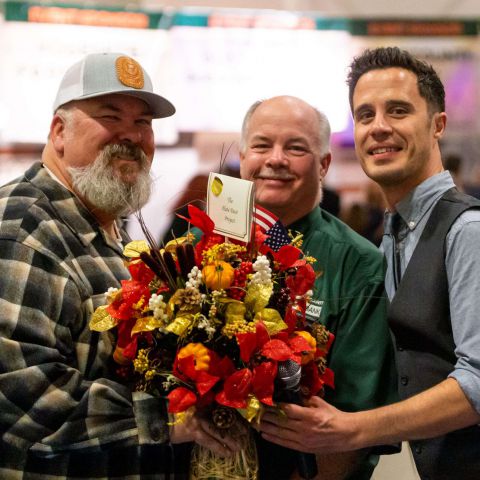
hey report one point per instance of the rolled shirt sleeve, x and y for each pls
(463, 271)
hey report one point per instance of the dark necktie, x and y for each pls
(393, 223)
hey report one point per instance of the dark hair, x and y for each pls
(429, 84)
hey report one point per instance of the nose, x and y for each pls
(277, 157)
(130, 135)
(380, 125)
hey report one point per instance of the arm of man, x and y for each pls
(57, 395)
(319, 427)
(452, 404)
(361, 356)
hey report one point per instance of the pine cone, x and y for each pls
(321, 334)
(321, 365)
(223, 417)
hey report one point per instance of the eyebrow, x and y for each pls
(264, 138)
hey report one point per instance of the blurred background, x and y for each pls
(213, 60)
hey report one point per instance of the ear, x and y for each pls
(439, 125)
(57, 134)
(324, 164)
(242, 157)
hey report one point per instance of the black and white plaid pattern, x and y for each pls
(62, 415)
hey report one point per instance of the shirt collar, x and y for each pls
(68, 207)
(421, 199)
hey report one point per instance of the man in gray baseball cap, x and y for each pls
(64, 413)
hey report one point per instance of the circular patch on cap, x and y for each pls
(129, 72)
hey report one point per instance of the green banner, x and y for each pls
(81, 15)
(127, 18)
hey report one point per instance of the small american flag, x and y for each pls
(277, 236)
(271, 225)
(263, 218)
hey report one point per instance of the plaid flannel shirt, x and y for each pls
(62, 415)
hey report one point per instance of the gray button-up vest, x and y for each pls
(419, 317)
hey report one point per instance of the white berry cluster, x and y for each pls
(111, 293)
(205, 324)
(194, 278)
(157, 305)
(263, 272)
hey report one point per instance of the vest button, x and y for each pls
(399, 348)
(418, 449)
(404, 380)
(155, 433)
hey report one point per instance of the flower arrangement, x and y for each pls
(208, 325)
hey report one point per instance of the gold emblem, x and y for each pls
(129, 72)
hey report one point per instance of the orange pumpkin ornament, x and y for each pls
(218, 275)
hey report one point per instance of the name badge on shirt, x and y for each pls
(314, 309)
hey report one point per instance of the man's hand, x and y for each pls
(316, 428)
(203, 432)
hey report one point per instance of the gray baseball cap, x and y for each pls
(100, 74)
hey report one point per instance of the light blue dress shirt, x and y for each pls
(463, 273)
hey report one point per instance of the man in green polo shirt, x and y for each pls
(285, 151)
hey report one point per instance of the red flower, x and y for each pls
(263, 381)
(312, 382)
(198, 218)
(264, 373)
(288, 257)
(252, 341)
(302, 281)
(141, 273)
(277, 350)
(180, 400)
(132, 293)
(236, 389)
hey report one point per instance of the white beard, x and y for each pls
(98, 184)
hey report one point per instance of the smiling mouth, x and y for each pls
(380, 150)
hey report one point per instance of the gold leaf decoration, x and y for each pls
(235, 312)
(272, 320)
(147, 324)
(101, 320)
(180, 324)
(258, 296)
(135, 248)
(254, 409)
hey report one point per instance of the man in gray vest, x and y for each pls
(432, 248)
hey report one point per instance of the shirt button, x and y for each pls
(418, 449)
(411, 224)
(404, 380)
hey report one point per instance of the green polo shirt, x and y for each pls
(349, 300)
(351, 304)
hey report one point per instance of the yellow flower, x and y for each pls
(200, 355)
(308, 356)
(218, 275)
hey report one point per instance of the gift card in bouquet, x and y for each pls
(230, 205)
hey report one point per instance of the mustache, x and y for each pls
(125, 150)
(270, 174)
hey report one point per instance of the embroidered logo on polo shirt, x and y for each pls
(129, 72)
